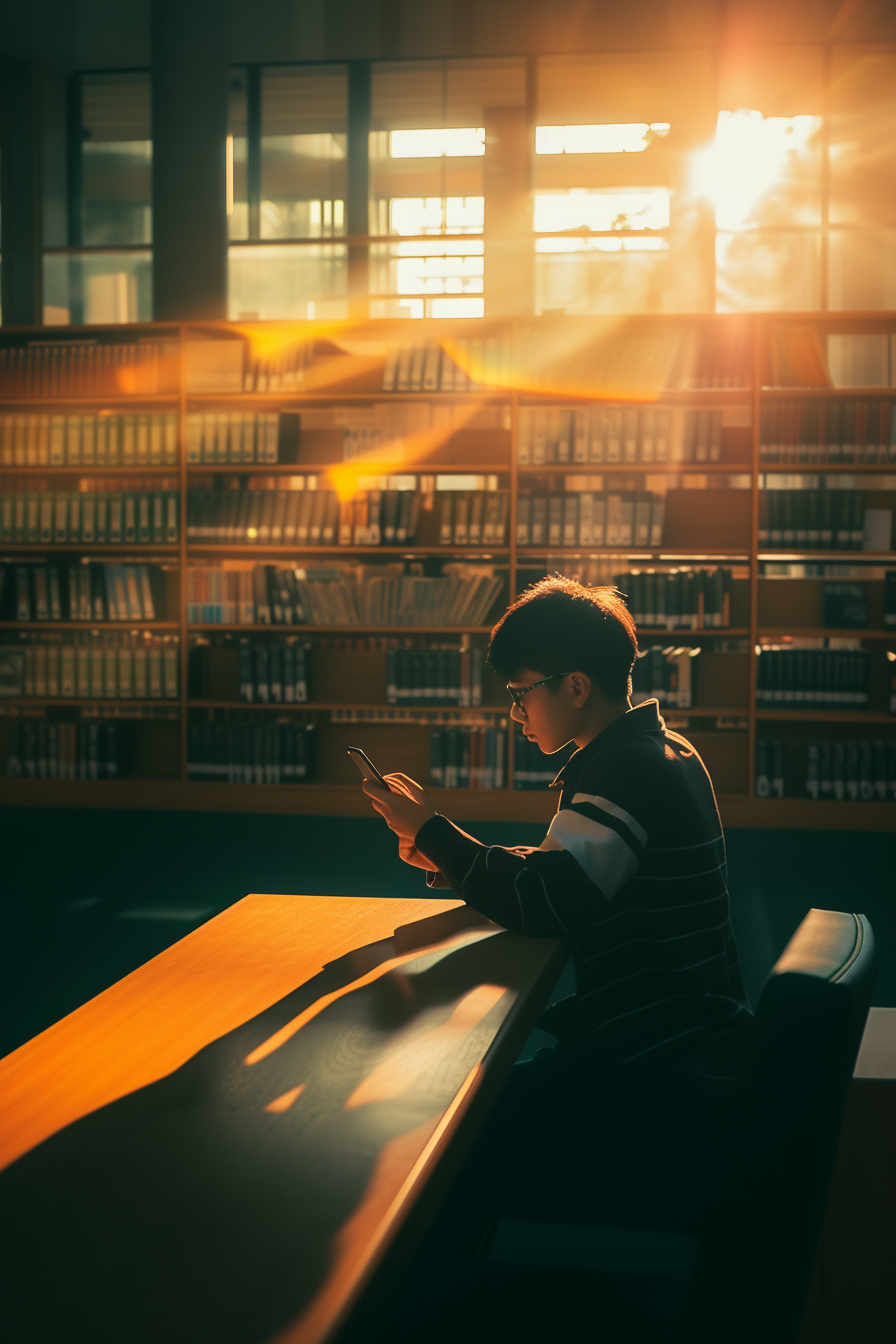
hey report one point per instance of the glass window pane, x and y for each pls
(116, 161)
(104, 287)
(767, 272)
(266, 281)
(237, 161)
(862, 269)
(863, 138)
(304, 119)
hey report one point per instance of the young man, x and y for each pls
(632, 870)
(632, 876)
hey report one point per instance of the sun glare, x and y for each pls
(630, 137)
(454, 142)
(749, 156)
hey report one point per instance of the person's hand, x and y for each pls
(404, 808)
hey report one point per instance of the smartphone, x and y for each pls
(367, 767)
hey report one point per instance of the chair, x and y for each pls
(744, 1279)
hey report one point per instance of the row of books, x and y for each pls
(369, 595)
(90, 517)
(251, 752)
(431, 368)
(678, 599)
(234, 437)
(342, 594)
(90, 667)
(812, 678)
(817, 433)
(834, 520)
(42, 749)
(303, 517)
(850, 769)
(273, 674)
(102, 439)
(667, 675)
(634, 518)
(84, 366)
(609, 434)
(473, 517)
(79, 592)
(467, 757)
(440, 675)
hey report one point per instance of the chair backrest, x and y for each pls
(754, 1268)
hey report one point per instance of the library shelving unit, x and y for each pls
(180, 489)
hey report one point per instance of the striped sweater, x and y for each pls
(632, 875)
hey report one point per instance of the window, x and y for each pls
(433, 148)
(116, 160)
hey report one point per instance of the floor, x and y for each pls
(89, 896)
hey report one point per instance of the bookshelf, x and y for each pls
(439, 423)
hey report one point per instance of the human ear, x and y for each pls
(580, 684)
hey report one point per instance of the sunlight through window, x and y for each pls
(431, 214)
(602, 211)
(453, 142)
(630, 137)
(750, 155)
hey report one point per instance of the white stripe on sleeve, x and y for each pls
(614, 810)
(597, 849)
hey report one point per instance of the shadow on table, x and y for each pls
(205, 1207)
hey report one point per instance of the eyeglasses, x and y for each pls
(517, 692)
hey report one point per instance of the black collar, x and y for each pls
(644, 718)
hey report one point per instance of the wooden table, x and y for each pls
(232, 1142)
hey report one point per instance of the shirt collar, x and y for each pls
(643, 718)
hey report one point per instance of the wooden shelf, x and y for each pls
(357, 630)
(822, 632)
(801, 715)
(54, 626)
(294, 397)
(418, 467)
(823, 468)
(643, 468)
(99, 400)
(94, 468)
(831, 557)
(240, 551)
(635, 552)
(314, 799)
(123, 550)
(329, 706)
(165, 702)
(667, 396)
(705, 632)
(824, 393)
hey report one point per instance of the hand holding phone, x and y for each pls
(367, 768)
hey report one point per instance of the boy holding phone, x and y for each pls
(631, 875)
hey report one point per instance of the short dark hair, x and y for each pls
(559, 625)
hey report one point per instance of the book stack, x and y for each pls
(666, 675)
(236, 437)
(90, 667)
(273, 674)
(463, 367)
(124, 514)
(296, 516)
(852, 431)
(531, 768)
(473, 517)
(79, 592)
(835, 768)
(822, 519)
(85, 367)
(589, 518)
(678, 599)
(282, 370)
(465, 757)
(794, 356)
(100, 439)
(42, 749)
(440, 675)
(618, 435)
(251, 752)
(813, 677)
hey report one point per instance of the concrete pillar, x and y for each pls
(190, 74)
(21, 192)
